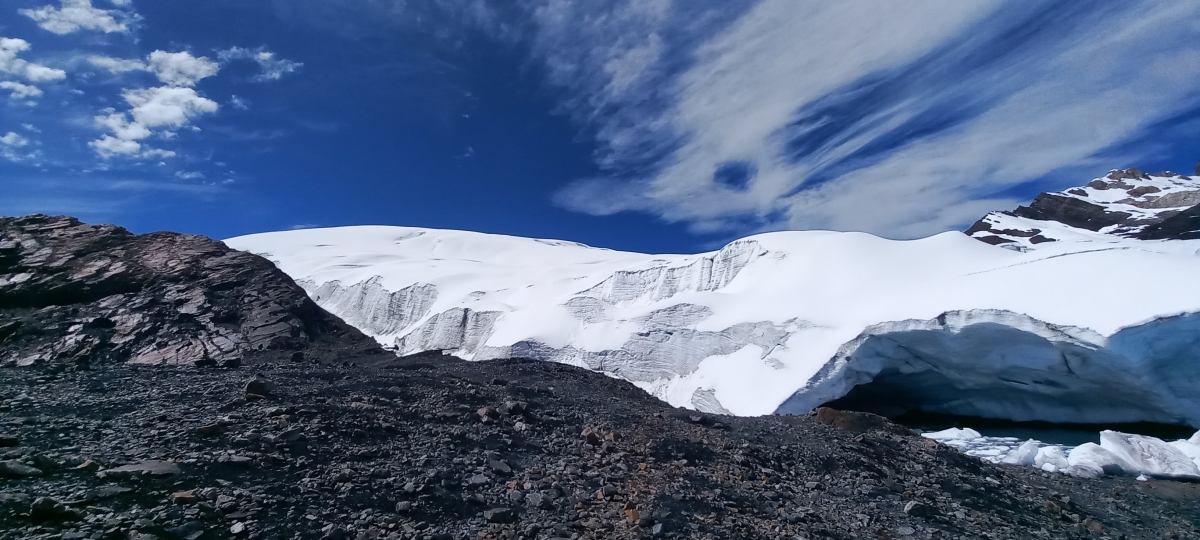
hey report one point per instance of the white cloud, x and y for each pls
(121, 127)
(898, 119)
(77, 15)
(181, 68)
(272, 68)
(167, 105)
(157, 107)
(239, 103)
(13, 140)
(189, 175)
(108, 146)
(10, 48)
(20, 91)
(117, 65)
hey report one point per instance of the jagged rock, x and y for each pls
(77, 293)
(500, 515)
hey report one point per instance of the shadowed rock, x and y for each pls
(77, 293)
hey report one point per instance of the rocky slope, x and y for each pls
(80, 294)
(431, 447)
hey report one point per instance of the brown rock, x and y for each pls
(591, 437)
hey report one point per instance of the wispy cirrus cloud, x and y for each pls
(272, 68)
(897, 119)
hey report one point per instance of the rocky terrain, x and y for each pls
(303, 429)
(431, 447)
(77, 294)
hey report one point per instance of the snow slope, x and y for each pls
(1091, 327)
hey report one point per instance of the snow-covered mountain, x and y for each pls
(1087, 316)
(1124, 204)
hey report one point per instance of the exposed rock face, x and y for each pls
(1182, 226)
(1070, 211)
(79, 293)
(1126, 203)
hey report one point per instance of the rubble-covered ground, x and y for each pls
(431, 447)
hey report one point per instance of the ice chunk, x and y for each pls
(1093, 457)
(1049, 467)
(1050, 455)
(953, 434)
(1189, 449)
(1148, 455)
(1024, 455)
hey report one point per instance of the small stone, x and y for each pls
(16, 469)
(499, 515)
(149, 467)
(591, 437)
(237, 528)
(183, 497)
(210, 430)
(477, 480)
(45, 509)
(259, 386)
(88, 465)
(916, 509)
(499, 467)
(403, 507)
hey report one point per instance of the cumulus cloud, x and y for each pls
(181, 68)
(150, 108)
(13, 140)
(14, 147)
(20, 91)
(271, 67)
(75, 15)
(167, 105)
(164, 108)
(902, 120)
(10, 48)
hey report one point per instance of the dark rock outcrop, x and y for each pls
(1182, 226)
(78, 294)
(1069, 211)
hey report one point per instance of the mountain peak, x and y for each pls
(1126, 203)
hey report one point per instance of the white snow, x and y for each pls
(1099, 328)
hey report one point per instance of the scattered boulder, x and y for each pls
(259, 387)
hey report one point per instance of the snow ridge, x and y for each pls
(1068, 303)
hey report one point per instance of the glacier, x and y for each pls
(1077, 308)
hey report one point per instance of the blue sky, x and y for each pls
(649, 125)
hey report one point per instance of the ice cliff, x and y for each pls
(1080, 307)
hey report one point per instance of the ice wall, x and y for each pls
(1000, 364)
(370, 307)
(708, 273)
